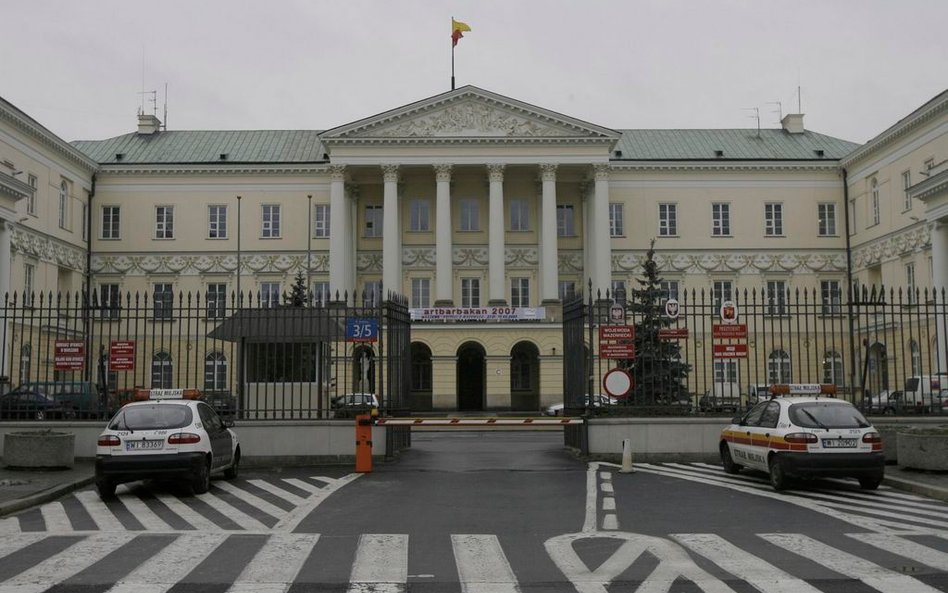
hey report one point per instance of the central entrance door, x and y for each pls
(471, 377)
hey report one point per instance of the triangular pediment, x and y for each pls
(469, 112)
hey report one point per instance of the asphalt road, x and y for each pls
(482, 512)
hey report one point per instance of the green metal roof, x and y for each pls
(198, 146)
(769, 144)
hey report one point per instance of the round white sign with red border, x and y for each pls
(617, 382)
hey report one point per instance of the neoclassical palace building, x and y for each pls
(486, 213)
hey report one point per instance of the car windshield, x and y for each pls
(827, 415)
(153, 417)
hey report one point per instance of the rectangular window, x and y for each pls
(63, 204)
(31, 202)
(519, 292)
(726, 371)
(910, 282)
(906, 184)
(616, 220)
(85, 221)
(617, 288)
(567, 290)
(723, 290)
(470, 215)
(420, 215)
(164, 222)
(669, 289)
(320, 294)
(470, 292)
(831, 298)
(29, 273)
(372, 294)
(269, 295)
(874, 203)
(217, 222)
(827, 219)
(216, 300)
(320, 221)
(519, 215)
(420, 293)
(163, 300)
(720, 220)
(565, 221)
(776, 297)
(110, 303)
(110, 222)
(373, 221)
(773, 220)
(271, 222)
(929, 164)
(852, 217)
(667, 220)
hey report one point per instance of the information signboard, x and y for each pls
(736, 330)
(69, 355)
(362, 330)
(122, 355)
(730, 351)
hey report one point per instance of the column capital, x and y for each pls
(601, 171)
(337, 172)
(390, 173)
(443, 171)
(495, 172)
(548, 171)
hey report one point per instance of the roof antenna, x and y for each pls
(779, 110)
(756, 111)
(164, 124)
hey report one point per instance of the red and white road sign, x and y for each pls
(730, 351)
(69, 355)
(617, 383)
(122, 355)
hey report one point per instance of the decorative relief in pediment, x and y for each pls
(470, 118)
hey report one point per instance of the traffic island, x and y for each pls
(924, 448)
(39, 449)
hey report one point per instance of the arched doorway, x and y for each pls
(363, 369)
(877, 378)
(420, 377)
(525, 377)
(471, 377)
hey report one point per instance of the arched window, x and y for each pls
(215, 371)
(916, 354)
(778, 367)
(874, 191)
(420, 367)
(523, 367)
(161, 371)
(833, 368)
(63, 196)
(26, 361)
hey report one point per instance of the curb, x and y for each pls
(44, 496)
(936, 492)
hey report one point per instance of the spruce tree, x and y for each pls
(658, 373)
(299, 294)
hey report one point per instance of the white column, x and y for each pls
(340, 268)
(391, 232)
(940, 285)
(602, 264)
(495, 236)
(549, 264)
(444, 295)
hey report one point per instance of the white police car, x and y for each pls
(804, 437)
(165, 437)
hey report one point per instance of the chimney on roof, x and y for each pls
(792, 123)
(148, 124)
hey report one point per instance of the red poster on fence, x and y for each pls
(122, 355)
(730, 350)
(69, 355)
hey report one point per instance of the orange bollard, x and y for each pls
(363, 443)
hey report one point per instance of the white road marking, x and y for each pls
(275, 566)
(482, 565)
(194, 518)
(610, 522)
(592, 507)
(904, 547)
(141, 511)
(54, 515)
(10, 525)
(606, 487)
(854, 567)
(293, 518)
(170, 565)
(99, 512)
(280, 492)
(766, 577)
(381, 564)
(251, 499)
(233, 513)
(65, 564)
(608, 503)
(9, 545)
(605, 475)
(303, 485)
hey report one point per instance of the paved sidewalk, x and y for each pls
(21, 489)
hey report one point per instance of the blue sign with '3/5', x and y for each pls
(362, 330)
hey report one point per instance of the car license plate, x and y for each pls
(838, 443)
(142, 445)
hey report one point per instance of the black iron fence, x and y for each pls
(883, 349)
(68, 356)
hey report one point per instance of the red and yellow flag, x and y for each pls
(457, 27)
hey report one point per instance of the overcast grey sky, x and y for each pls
(76, 66)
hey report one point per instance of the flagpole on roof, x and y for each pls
(453, 43)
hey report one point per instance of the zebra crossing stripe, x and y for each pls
(165, 569)
(9, 545)
(251, 499)
(303, 485)
(381, 564)
(99, 512)
(10, 525)
(276, 564)
(197, 520)
(280, 492)
(141, 511)
(65, 564)
(55, 518)
(854, 567)
(482, 565)
(904, 547)
(236, 515)
(766, 577)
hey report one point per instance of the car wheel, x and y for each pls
(106, 488)
(726, 460)
(778, 477)
(231, 472)
(869, 483)
(201, 482)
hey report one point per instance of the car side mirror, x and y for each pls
(739, 419)
(229, 423)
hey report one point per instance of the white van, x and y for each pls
(920, 389)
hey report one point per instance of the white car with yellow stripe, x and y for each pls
(804, 437)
